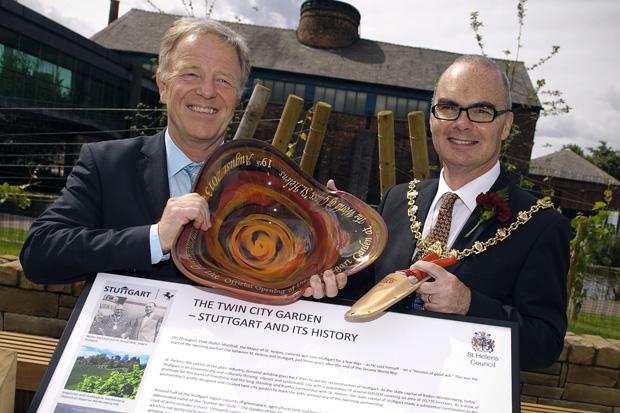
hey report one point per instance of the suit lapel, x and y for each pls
(152, 171)
(401, 242)
(462, 242)
(426, 194)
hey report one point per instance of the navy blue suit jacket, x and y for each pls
(101, 221)
(521, 279)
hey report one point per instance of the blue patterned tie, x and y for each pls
(192, 171)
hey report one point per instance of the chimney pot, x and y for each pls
(328, 24)
(113, 11)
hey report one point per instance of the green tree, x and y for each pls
(605, 158)
(575, 148)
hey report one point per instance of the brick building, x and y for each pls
(577, 183)
(325, 59)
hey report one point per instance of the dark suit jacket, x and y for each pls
(521, 279)
(101, 222)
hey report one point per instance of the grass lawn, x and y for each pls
(604, 326)
(10, 248)
(11, 240)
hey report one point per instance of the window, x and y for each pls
(400, 106)
(277, 93)
(280, 89)
(346, 101)
(25, 75)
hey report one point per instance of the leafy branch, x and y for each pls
(554, 50)
(556, 104)
(209, 8)
(594, 236)
(475, 25)
(16, 193)
(188, 5)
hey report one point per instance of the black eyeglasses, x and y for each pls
(479, 114)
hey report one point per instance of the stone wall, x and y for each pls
(31, 308)
(586, 375)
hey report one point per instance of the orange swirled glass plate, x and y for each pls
(273, 227)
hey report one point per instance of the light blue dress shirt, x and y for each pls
(179, 184)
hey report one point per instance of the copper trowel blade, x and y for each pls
(390, 290)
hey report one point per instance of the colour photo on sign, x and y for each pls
(104, 372)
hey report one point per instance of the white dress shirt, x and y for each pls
(463, 206)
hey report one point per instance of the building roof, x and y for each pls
(567, 164)
(367, 61)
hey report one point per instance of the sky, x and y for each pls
(88, 351)
(584, 69)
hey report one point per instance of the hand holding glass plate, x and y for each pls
(273, 227)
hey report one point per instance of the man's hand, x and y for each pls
(326, 285)
(331, 185)
(179, 211)
(447, 294)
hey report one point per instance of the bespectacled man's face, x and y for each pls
(468, 148)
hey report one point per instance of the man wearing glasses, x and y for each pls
(513, 250)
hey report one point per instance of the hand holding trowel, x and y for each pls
(393, 288)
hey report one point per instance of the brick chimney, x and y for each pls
(328, 24)
(113, 11)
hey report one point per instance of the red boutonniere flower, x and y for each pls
(493, 204)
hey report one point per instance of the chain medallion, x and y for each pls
(479, 246)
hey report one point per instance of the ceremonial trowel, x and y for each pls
(393, 288)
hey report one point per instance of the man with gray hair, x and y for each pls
(125, 200)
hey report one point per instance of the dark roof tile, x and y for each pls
(272, 48)
(568, 165)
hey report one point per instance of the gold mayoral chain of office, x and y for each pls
(500, 235)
